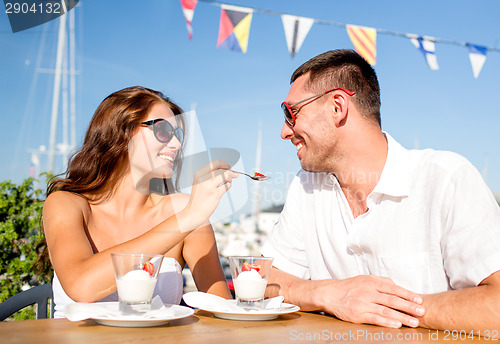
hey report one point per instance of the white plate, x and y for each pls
(171, 312)
(253, 315)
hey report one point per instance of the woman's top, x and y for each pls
(169, 286)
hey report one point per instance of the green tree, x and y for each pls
(20, 235)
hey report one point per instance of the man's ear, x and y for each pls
(340, 106)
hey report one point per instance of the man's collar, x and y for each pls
(394, 178)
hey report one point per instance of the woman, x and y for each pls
(104, 204)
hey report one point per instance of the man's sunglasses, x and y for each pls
(164, 131)
(287, 109)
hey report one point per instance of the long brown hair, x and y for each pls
(97, 168)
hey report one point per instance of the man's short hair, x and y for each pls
(344, 68)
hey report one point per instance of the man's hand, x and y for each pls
(361, 299)
(370, 300)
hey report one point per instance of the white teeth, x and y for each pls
(166, 157)
(299, 146)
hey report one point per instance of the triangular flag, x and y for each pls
(477, 55)
(188, 10)
(364, 40)
(234, 28)
(427, 47)
(296, 30)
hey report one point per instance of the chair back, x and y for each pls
(39, 295)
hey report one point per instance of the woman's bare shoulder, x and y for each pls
(64, 202)
(66, 196)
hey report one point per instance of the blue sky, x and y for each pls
(124, 43)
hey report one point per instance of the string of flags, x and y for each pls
(235, 22)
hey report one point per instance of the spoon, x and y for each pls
(256, 176)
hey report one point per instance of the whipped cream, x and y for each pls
(135, 286)
(249, 285)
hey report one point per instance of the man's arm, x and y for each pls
(361, 299)
(470, 309)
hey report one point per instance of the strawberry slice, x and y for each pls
(257, 174)
(248, 267)
(149, 268)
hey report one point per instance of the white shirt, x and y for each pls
(169, 286)
(432, 225)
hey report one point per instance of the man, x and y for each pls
(374, 233)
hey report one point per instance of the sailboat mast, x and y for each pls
(72, 78)
(56, 91)
(258, 162)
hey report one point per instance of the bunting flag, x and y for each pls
(188, 10)
(427, 47)
(477, 55)
(296, 30)
(235, 21)
(364, 40)
(234, 28)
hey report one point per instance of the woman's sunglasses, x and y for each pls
(164, 131)
(287, 109)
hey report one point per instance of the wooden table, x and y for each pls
(202, 327)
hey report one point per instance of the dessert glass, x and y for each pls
(250, 276)
(136, 276)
